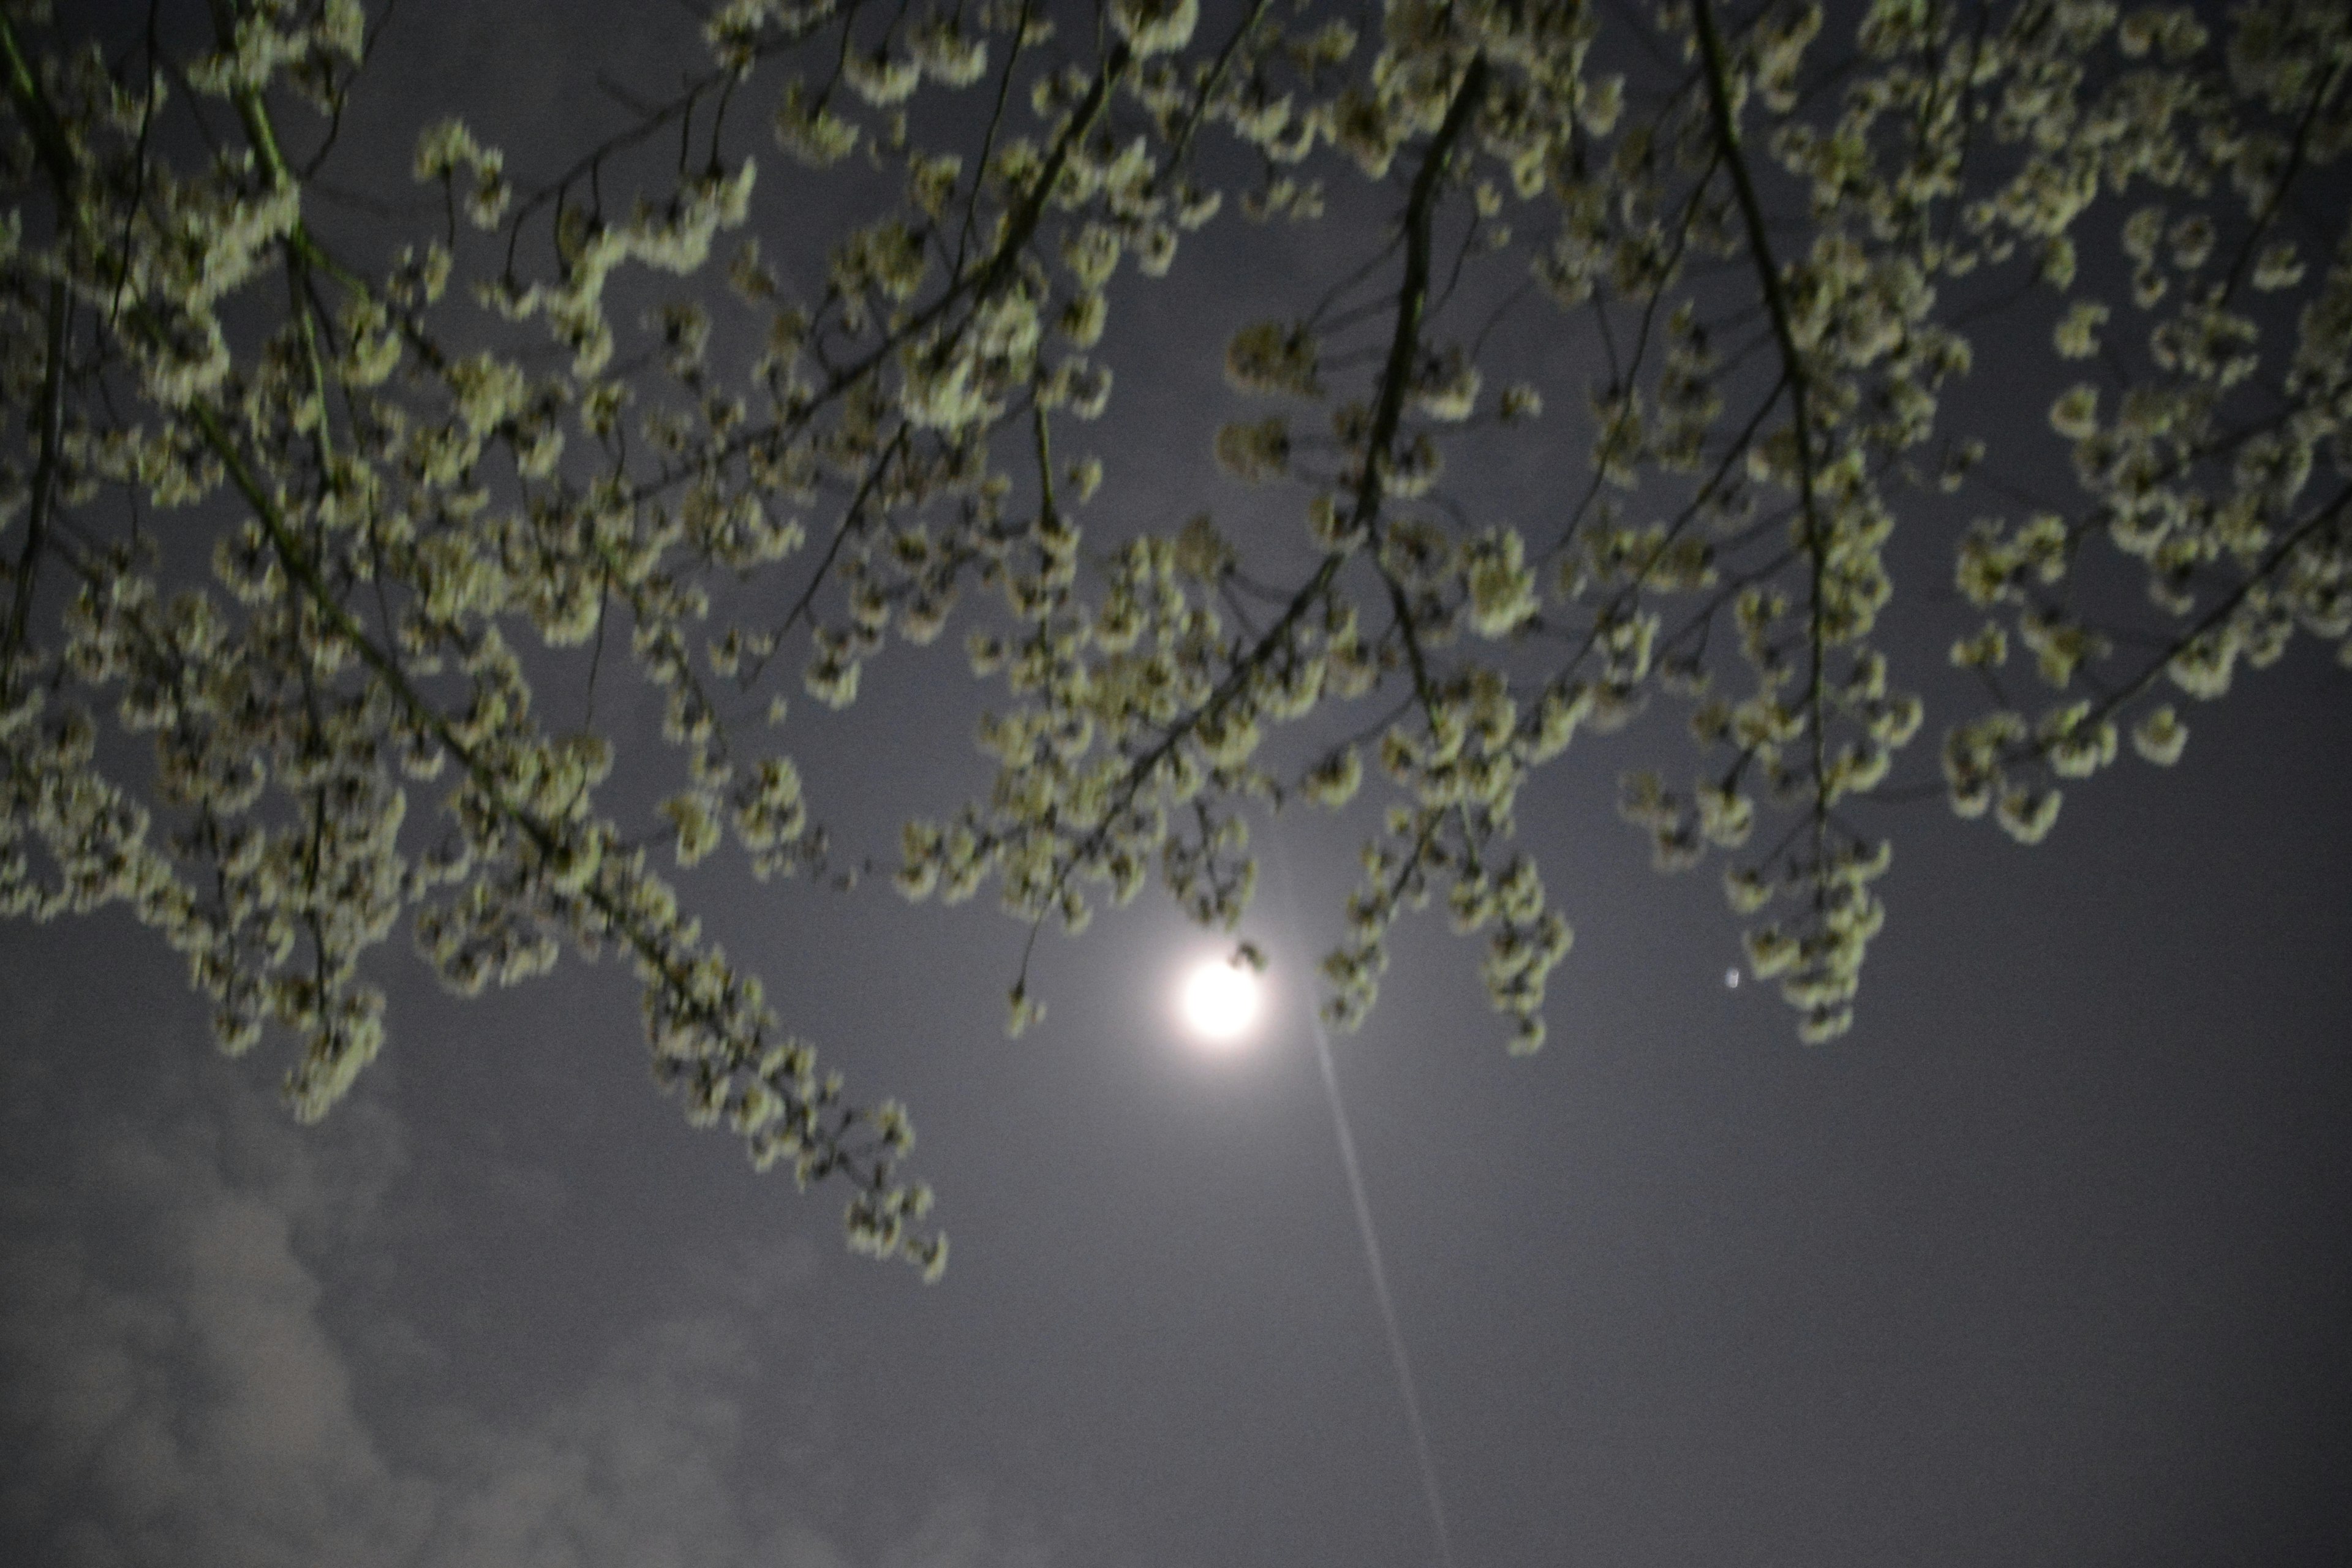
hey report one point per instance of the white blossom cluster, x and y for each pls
(431, 482)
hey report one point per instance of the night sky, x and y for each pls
(2045, 1263)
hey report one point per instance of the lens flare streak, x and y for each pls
(1374, 1265)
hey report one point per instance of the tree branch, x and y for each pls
(1751, 212)
(45, 473)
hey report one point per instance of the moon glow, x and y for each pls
(1219, 1001)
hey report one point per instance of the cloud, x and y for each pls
(177, 1399)
(636, 1467)
(175, 1388)
(960, 1531)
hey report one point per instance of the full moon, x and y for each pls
(1219, 1000)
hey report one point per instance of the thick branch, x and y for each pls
(1413, 296)
(1792, 360)
(45, 474)
(48, 136)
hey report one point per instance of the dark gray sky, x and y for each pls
(2044, 1264)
